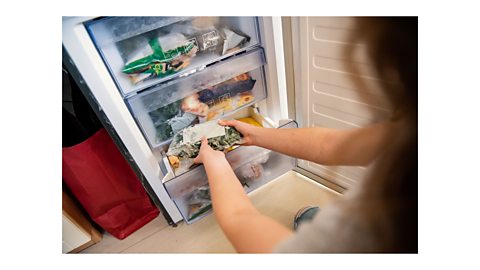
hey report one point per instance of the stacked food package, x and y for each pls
(186, 143)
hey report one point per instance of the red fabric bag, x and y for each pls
(103, 182)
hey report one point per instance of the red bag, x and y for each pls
(106, 186)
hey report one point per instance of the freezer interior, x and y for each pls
(140, 52)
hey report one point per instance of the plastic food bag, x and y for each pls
(221, 98)
(254, 169)
(161, 62)
(241, 83)
(170, 119)
(186, 143)
(233, 40)
(199, 202)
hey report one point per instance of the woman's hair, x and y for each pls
(391, 44)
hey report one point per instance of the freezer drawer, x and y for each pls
(140, 52)
(254, 167)
(250, 115)
(217, 91)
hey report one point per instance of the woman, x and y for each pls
(379, 214)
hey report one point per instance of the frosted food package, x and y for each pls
(199, 202)
(254, 169)
(185, 145)
(160, 62)
(233, 40)
(236, 85)
(219, 99)
(170, 119)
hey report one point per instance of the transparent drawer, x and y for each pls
(214, 92)
(143, 51)
(254, 167)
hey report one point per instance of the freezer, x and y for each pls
(153, 77)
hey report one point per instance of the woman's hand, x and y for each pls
(248, 131)
(207, 153)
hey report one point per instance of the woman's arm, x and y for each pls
(321, 145)
(248, 230)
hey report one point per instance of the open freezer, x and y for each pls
(155, 76)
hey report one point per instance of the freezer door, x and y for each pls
(326, 93)
(253, 166)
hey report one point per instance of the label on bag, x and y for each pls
(208, 129)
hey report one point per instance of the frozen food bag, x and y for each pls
(238, 84)
(254, 169)
(170, 119)
(199, 202)
(193, 105)
(233, 40)
(161, 62)
(186, 143)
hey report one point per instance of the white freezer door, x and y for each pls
(326, 94)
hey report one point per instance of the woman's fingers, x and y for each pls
(227, 122)
(197, 160)
(204, 145)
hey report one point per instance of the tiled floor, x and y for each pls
(279, 199)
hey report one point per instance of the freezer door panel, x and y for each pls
(215, 92)
(143, 51)
(253, 166)
(327, 93)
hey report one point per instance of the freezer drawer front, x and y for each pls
(254, 167)
(214, 92)
(140, 52)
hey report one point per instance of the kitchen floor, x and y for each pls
(279, 199)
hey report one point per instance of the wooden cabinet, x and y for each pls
(77, 231)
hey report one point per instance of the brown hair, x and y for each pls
(392, 46)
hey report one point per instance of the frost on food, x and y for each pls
(186, 143)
